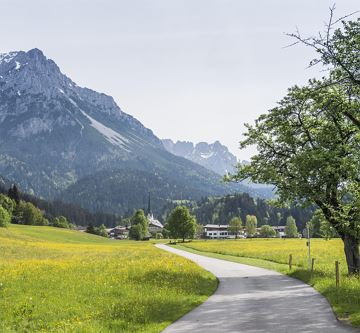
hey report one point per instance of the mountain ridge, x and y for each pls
(55, 133)
(213, 156)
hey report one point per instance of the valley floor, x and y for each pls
(57, 280)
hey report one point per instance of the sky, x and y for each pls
(193, 70)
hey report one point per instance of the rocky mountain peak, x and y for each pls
(31, 73)
(26, 77)
(215, 156)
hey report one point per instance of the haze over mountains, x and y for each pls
(59, 140)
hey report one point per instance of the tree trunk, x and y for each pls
(351, 247)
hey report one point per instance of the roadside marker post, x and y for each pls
(309, 247)
(337, 275)
(312, 265)
(290, 261)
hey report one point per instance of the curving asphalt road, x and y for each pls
(256, 300)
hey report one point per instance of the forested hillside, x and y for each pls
(74, 214)
(220, 210)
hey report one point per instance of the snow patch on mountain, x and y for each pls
(207, 155)
(7, 57)
(110, 135)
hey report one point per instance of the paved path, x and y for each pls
(251, 299)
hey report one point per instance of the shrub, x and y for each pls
(61, 222)
(5, 217)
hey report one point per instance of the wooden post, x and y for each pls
(290, 261)
(312, 264)
(337, 274)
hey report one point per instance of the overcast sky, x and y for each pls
(187, 69)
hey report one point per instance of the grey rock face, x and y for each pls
(54, 133)
(215, 156)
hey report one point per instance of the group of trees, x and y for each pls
(220, 210)
(236, 225)
(74, 214)
(180, 224)
(308, 146)
(15, 210)
(100, 230)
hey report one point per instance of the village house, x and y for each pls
(220, 231)
(280, 230)
(119, 232)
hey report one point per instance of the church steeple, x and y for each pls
(149, 205)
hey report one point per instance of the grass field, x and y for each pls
(274, 254)
(56, 280)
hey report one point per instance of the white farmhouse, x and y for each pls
(216, 231)
(280, 230)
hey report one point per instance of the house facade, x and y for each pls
(219, 231)
(280, 230)
(118, 232)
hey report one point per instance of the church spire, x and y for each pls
(149, 205)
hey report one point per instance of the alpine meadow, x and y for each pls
(56, 280)
(179, 166)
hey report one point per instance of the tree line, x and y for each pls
(17, 211)
(220, 210)
(74, 214)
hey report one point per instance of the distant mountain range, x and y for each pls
(59, 140)
(215, 156)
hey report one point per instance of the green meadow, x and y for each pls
(57, 280)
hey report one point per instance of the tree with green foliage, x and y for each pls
(267, 231)
(235, 226)
(199, 233)
(5, 217)
(139, 226)
(90, 229)
(337, 49)
(250, 225)
(309, 149)
(61, 222)
(27, 213)
(101, 231)
(7, 203)
(14, 193)
(165, 233)
(181, 223)
(291, 230)
(326, 230)
(135, 232)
